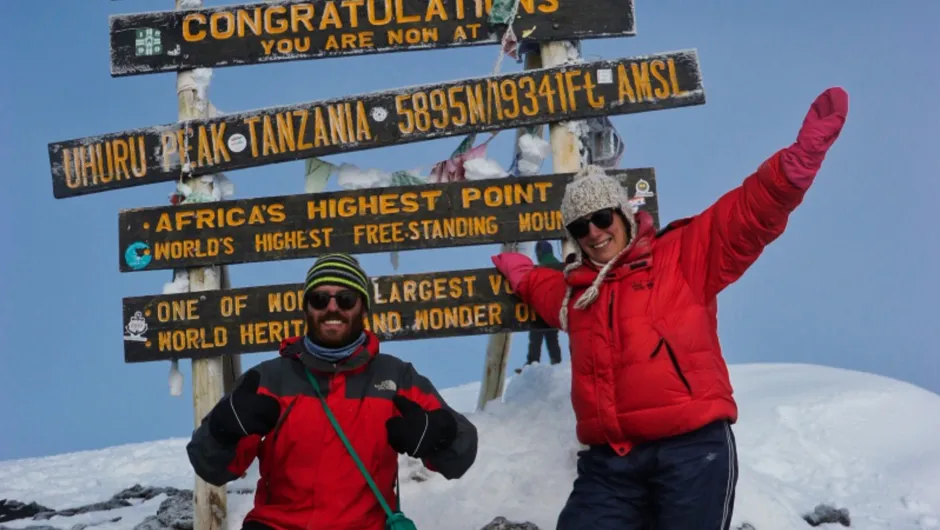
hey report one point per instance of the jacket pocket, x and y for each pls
(675, 362)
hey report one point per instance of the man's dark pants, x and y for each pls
(551, 342)
(684, 482)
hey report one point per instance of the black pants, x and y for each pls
(255, 525)
(535, 346)
(684, 482)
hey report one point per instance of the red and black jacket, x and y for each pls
(308, 479)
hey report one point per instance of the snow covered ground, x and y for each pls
(807, 435)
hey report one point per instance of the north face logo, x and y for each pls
(388, 384)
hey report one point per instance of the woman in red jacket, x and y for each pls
(650, 388)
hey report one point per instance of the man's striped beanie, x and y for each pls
(338, 269)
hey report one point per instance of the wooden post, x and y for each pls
(566, 156)
(497, 349)
(210, 507)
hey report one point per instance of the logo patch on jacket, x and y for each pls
(388, 384)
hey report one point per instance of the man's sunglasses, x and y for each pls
(345, 299)
(601, 219)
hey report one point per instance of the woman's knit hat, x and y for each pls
(338, 269)
(591, 190)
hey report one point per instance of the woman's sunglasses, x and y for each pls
(345, 299)
(601, 219)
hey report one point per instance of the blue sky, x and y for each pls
(851, 283)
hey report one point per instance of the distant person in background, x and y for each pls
(543, 252)
(650, 388)
(382, 404)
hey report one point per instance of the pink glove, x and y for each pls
(513, 266)
(821, 127)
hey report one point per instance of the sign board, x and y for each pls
(267, 32)
(356, 222)
(255, 319)
(280, 134)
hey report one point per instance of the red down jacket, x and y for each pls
(645, 357)
(308, 479)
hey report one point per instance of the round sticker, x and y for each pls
(237, 142)
(138, 255)
(379, 114)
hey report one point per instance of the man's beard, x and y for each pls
(354, 328)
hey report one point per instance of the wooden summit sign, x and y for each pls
(280, 134)
(356, 222)
(255, 319)
(296, 30)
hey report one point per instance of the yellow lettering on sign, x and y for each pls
(460, 316)
(288, 301)
(502, 195)
(412, 36)
(300, 18)
(203, 218)
(499, 284)
(293, 239)
(525, 313)
(373, 205)
(383, 322)
(545, 221)
(179, 340)
(274, 331)
(634, 85)
(241, 22)
(493, 101)
(201, 147)
(350, 41)
(425, 290)
(233, 305)
(289, 131)
(178, 310)
(378, 233)
(105, 161)
(193, 248)
(453, 227)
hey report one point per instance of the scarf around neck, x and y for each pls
(333, 355)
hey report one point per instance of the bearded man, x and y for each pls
(382, 404)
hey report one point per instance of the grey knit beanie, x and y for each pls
(591, 190)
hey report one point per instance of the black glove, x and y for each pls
(244, 412)
(418, 432)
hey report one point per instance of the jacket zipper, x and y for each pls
(274, 434)
(675, 363)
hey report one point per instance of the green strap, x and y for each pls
(342, 436)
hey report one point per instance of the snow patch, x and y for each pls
(179, 283)
(351, 177)
(483, 168)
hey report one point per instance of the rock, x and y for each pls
(11, 510)
(109, 504)
(175, 512)
(501, 523)
(824, 513)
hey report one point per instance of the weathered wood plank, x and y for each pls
(356, 221)
(294, 30)
(280, 134)
(255, 319)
